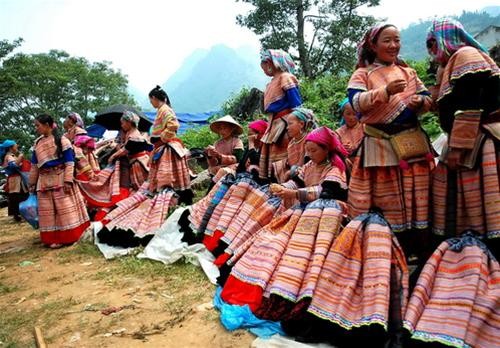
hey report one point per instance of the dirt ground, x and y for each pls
(69, 293)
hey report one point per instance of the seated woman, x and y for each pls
(134, 150)
(279, 257)
(351, 132)
(16, 186)
(228, 150)
(299, 122)
(194, 220)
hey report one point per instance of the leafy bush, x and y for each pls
(199, 137)
(323, 95)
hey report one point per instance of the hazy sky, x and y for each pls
(148, 39)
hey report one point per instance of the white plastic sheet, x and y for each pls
(167, 247)
(278, 341)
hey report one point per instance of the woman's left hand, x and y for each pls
(287, 193)
(415, 102)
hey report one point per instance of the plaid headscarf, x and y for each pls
(326, 137)
(280, 59)
(450, 36)
(306, 116)
(77, 119)
(131, 117)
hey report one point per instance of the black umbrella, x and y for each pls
(110, 118)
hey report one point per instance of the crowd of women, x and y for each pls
(313, 227)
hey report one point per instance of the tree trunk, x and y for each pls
(303, 57)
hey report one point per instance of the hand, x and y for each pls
(416, 102)
(287, 193)
(275, 188)
(452, 158)
(395, 86)
(111, 159)
(67, 187)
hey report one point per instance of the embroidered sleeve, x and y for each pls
(360, 97)
(170, 127)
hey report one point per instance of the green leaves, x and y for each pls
(54, 83)
(321, 33)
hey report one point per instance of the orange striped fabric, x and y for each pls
(456, 299)
(477, 197)
(275, 90)
(364, 268)
(402, 194)
(375, 105)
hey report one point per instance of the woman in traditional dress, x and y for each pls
(466, 192)
(272, 266)
(392, 169)
(135, 149)
(299, 122)
(61, 210)
(280, 97)
(137, 218)
(351, 132)
(224, 155)
(16, 187)
(73, 125)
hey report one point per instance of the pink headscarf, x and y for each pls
(84, 140)
(326, 137)
(259, 126)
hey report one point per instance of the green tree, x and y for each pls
(55, 83)
(323, 33)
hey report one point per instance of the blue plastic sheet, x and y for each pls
(235, 317)
(29, 210)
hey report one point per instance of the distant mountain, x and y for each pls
(413, 37)
(206, 80)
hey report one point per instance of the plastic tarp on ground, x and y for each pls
(235, 317)
(188, 120)
(167, 247)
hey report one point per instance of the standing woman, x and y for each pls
(169, 167)
(16, 188)
(466, 181)
(280, 97)
(134, 149)
(61, 210)
(387, 174)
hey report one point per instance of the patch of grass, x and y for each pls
(7, 289)
(80, 252)
(16, 326)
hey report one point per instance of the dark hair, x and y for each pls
(159, 94)
(367, 53)
(48, 120)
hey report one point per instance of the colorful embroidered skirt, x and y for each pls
(363, 275)
(62, 216)
(402, 194)
(469, 198)
(135, 220)
(168, 169)
(456, 301)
